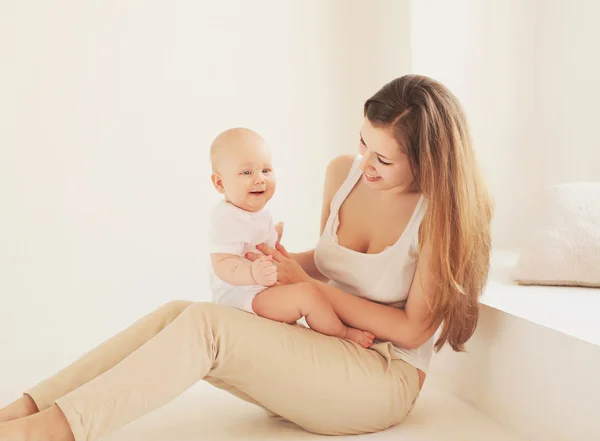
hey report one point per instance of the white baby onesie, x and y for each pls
(236, 231)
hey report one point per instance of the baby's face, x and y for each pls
(245, 175)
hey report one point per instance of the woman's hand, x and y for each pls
(288, 270)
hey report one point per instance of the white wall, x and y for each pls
(484, 52)
(567, 93)
(108, 109)
(375, 43)
(106, 115)
(526, 73)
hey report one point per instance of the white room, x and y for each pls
(107, 114)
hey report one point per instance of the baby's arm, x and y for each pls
(238, 271)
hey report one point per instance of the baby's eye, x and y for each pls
(266, 170)
(247, 172)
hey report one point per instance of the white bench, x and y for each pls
(533, 361)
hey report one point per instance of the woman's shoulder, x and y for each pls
(338, 169)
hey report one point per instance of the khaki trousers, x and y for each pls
(323, 384)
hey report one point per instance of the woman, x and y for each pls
(405, 244)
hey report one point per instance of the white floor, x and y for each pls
(204, 412)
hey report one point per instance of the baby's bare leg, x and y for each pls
(289, 303)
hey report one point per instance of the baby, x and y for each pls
(243, 173)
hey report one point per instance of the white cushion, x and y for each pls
(565, 248)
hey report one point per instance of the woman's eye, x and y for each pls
(383, 162)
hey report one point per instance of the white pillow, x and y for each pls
(565, 250)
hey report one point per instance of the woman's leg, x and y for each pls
(93, 363)
(105, 356)
(324, 384)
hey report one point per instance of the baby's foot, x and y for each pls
(363, 338)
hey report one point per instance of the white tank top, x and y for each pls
(384, 277)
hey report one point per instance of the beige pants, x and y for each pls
(323, 384)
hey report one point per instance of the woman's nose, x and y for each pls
(365, 162)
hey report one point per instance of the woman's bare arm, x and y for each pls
(408, 328)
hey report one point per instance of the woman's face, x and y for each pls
(384, 165)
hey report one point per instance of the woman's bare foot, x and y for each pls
(10, 431)
(50, 424)
(363, 338)
(21, 408)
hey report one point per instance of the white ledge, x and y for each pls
(572, 310)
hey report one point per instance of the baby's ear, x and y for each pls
(218, 182)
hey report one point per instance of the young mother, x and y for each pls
(405, 246)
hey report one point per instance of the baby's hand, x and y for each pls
(264, 272)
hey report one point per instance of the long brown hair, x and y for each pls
(430, 125)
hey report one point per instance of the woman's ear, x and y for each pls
(217, 182)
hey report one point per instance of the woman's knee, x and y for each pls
(208, 310)
(174, 307)
(197, 312)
